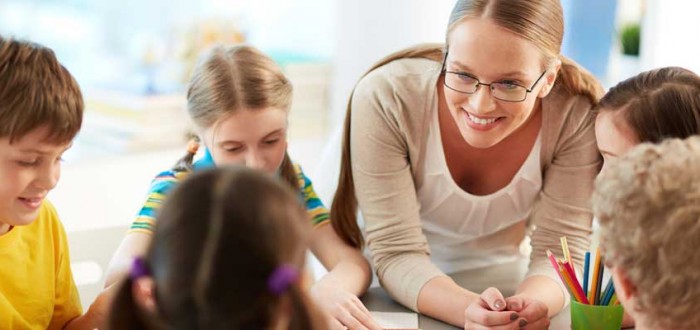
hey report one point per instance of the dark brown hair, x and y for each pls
(229, 78)
(220, 236)
(657, 104)
(36, 90)
(540, 22)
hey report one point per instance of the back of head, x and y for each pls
(36, 90)
(539, 22)
(220, 236)
(648, 204)
(657, 104)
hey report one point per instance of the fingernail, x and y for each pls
(523, 323)
(514, 306)
(514, 316)
(499, 304)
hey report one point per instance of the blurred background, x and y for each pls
(133, 59)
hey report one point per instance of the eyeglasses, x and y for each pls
(502, 90)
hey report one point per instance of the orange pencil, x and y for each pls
(594, 277)
(575, 285)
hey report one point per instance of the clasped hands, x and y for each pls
(495, 312)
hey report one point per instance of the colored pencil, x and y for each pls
(557, 269)
(599, 282)
(586, 266)
(575, 286)
(594, 276)
(567, 253)
(613, 300)
(609, 292)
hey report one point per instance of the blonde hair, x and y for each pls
(37, 90)
(540, 22)
(229, 78)
(648, 204)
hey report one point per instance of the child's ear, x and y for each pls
(142, 291)
(624, 288)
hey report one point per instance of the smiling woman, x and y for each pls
(454, 154)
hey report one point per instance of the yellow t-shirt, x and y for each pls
(36, 284)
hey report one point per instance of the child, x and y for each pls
(648, 204)
(239, 100)
(41, 110)
(652, 106)
(228, 252)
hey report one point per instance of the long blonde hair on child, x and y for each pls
(230, 78)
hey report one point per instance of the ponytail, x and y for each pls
(125, 314)
(304, 314)
(288, 173)
(344, 206)
(185, 163)
(578, 81)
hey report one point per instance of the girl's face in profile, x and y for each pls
(481, 50)
(256, 138)
(613, 135)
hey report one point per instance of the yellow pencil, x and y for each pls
(567, 253)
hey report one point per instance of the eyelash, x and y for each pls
(35, 163)
(28, 164)
(505, 81)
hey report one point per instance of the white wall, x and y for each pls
(367, 30)
(670, 34)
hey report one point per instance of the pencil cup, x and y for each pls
(591, 317)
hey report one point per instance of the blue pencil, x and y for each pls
(586, 266)
(609, 292)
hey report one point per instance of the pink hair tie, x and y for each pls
(281, 278)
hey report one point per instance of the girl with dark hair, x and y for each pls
(649, 107)
(228, 253)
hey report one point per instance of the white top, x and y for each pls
(468, 231)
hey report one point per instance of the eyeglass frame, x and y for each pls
(479, 83)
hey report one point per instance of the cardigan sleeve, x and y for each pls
(563, 205)
(386, 190)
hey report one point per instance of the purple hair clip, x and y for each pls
(138, 269)
(281, 278)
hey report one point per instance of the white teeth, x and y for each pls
(481, 121)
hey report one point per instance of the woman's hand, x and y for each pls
(532, 310)
(490, 312)
(345, 309)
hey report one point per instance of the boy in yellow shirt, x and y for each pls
(41, 110)
(648, 205)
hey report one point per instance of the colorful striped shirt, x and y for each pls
(164, 182)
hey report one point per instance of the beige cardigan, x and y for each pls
(391, 109)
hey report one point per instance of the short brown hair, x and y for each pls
(648, 205)
(36, 90)
(657, 104)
